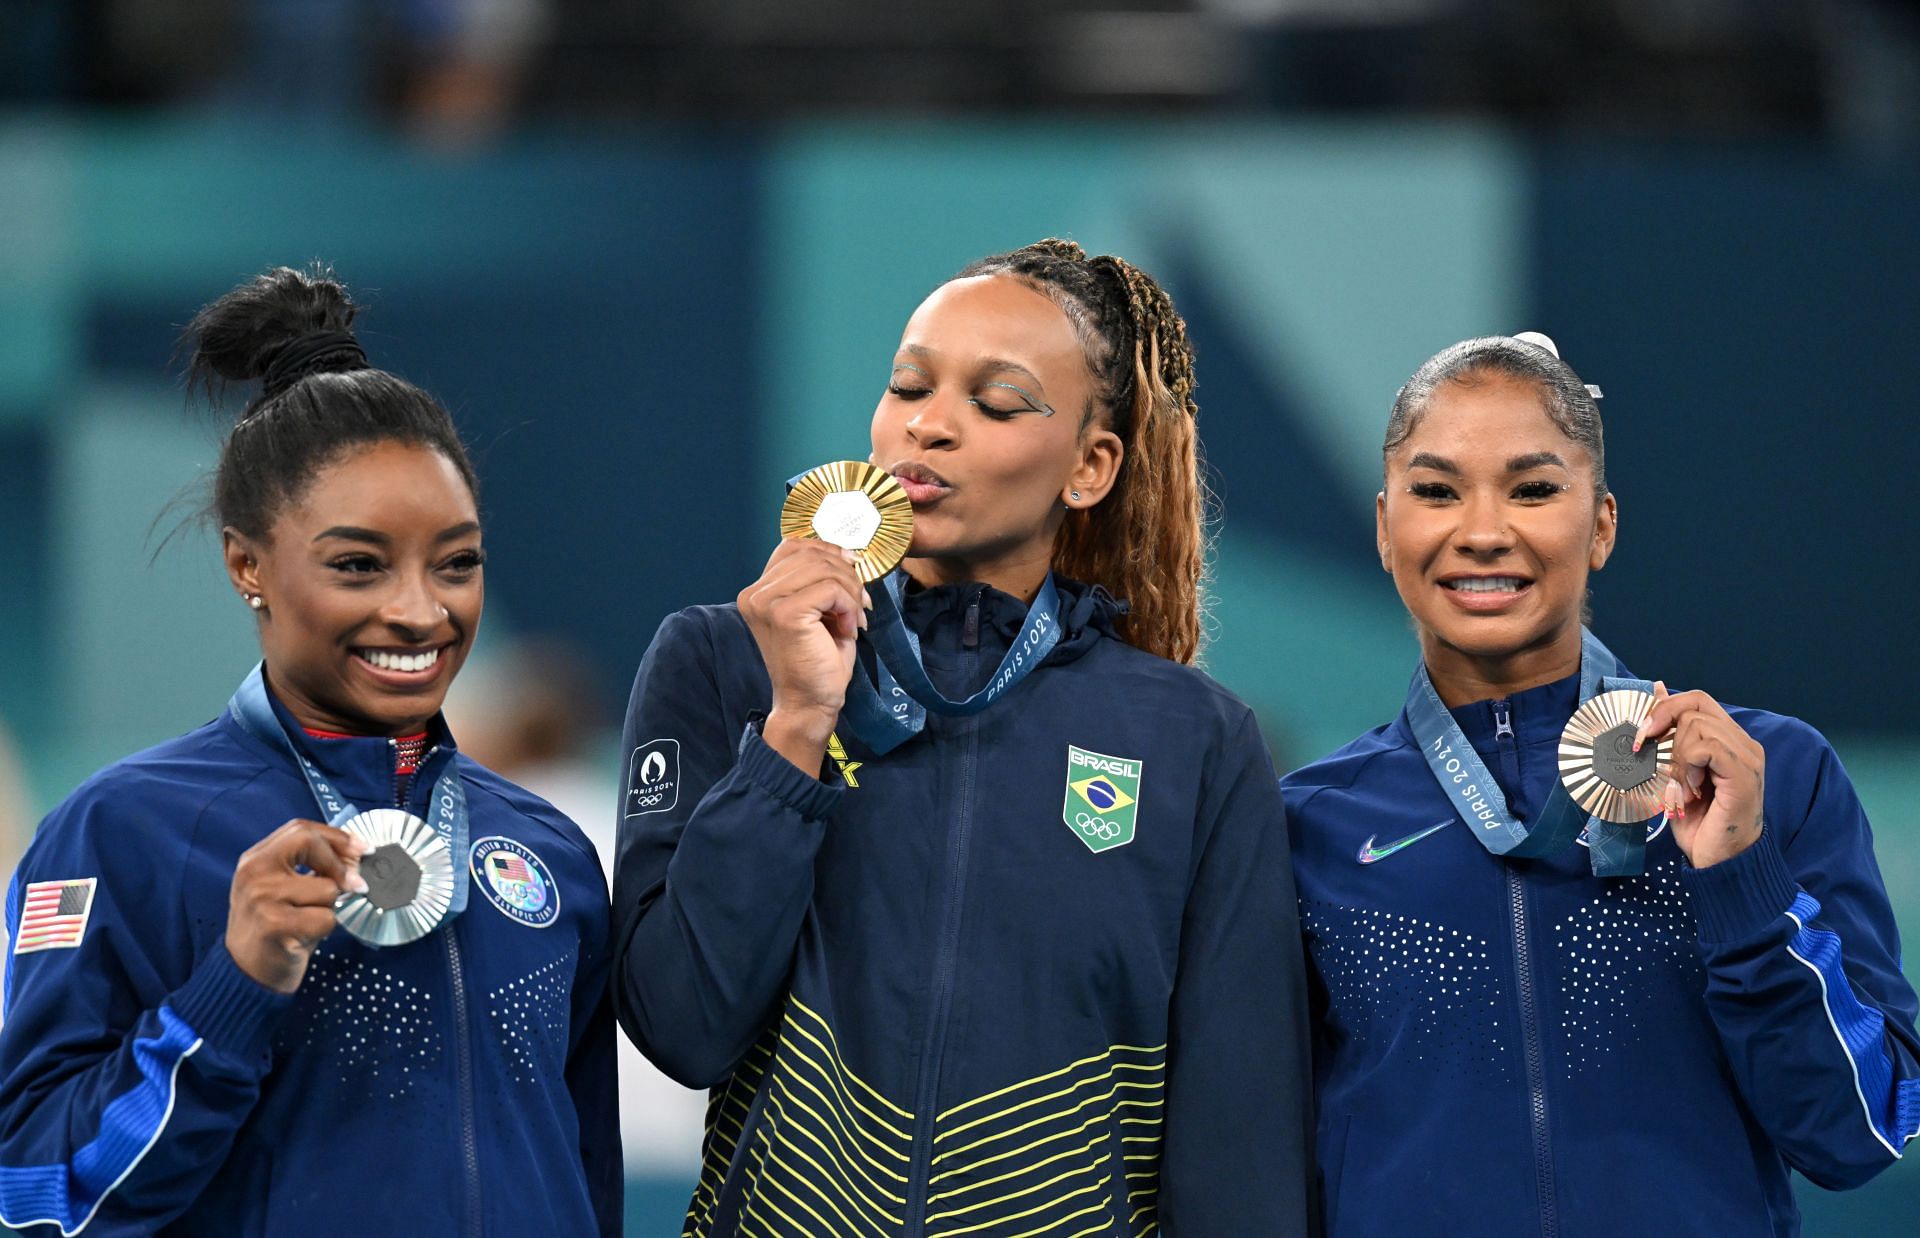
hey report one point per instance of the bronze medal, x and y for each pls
(1599, 767)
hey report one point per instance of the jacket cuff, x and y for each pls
(232, 1012)
(1738, 898)
(782, 779)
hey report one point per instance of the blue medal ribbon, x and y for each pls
(447, 811)
(1615, 850)
(890, 707)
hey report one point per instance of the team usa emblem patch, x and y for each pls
(53, 915)
(516, 881)
(1102, 794)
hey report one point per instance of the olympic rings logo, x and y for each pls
(1097, 827)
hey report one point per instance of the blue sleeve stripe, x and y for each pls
(129, 1127)
(1860, 1028)
(13, 927)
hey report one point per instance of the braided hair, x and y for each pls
(1148, 541)
(318, 399)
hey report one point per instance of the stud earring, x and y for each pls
(1076, 496)
(256, 601)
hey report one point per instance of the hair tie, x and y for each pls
(1546, 343)
(301, 356)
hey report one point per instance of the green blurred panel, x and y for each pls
(39, 306)
(168, 204)
(1322, 654)
(1348, 254)
(145, 648)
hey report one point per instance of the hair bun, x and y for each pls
(278, 327)
(1538, 340)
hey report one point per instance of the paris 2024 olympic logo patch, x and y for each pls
(516, 881)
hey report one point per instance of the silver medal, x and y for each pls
(409, 876)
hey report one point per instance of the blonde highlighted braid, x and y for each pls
(1148, 541)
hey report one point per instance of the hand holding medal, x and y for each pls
(282, 901)
(1715, 792)
(842, 524)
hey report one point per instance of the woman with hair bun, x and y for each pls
(1029, 969)
(307, 969)
(1530, 1020)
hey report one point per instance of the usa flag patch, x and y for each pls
(53, 915)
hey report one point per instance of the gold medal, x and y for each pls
(409, 876)
(1599, 767)
(855, 506)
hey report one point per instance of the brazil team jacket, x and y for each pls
(462, 1084)
(1520, 1047)
(1035, 971)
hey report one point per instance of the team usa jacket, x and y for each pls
(1520, 1047)
(1035, 971)
(462, 1084)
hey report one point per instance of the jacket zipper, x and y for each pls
(1523, 978)
(462, 1050)
(940, 995)
(463, 1068)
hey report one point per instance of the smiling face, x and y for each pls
(372, 587)
(984, 423)
(1490, 526)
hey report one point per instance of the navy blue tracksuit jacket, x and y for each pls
(462, 1084)
(1519, 1047)
(980, 985)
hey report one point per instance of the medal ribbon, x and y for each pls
(1615, 850)
(891, 707)
(448, 808)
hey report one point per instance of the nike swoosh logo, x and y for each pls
(1368, 855)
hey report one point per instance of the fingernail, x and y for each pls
(360, 845)
(866, 599)
(356, 882)
(850, 556)
(1674, 798)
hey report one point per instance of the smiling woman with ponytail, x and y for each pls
(1029, 969)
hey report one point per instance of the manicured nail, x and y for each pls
(355, 881)
(360, 845)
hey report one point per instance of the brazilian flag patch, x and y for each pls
(1102, 794)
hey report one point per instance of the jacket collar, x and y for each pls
(362, 767)
(939, 616)
(1536, 715)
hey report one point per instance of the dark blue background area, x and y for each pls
(1751, 319)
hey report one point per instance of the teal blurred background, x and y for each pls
(643, 330)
